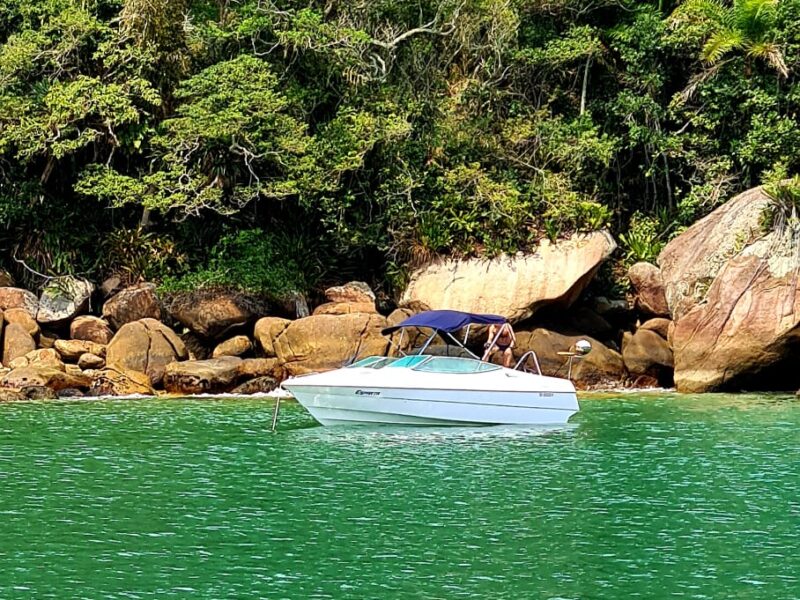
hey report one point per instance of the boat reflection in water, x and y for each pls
(424, 389)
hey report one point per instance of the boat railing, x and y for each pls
(524, 358)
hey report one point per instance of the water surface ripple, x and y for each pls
(640, 497)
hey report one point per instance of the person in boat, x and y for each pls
(501, 338)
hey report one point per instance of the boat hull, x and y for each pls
(335, 405)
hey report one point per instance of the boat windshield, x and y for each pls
(427, 364)
(373, 362)
(451, 364)
(410, 362)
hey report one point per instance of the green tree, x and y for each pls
(743, 25)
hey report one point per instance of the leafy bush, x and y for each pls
(644, 239)
(272, 264)
(138, 255)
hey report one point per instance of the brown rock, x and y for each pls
(647, 353)
(324, 342)
(266, 331)
(660, 326)
(258, 367)
(213, 315)
(345, 308)
(74, 370)
(650, 298)
(147, 346)
(601, 367)
(132, 304)
(19, 362)
(39, 392)
(261, 385)
(24, 318)
(215, 375)
(515, 287)
(236, 346)
(731, 282)
(17, 342)
(46, 357)
(18, 298)
(43, 376)
(745, 335)
(72, 350)
(690, 262)
(354, 292)
(116, 381)
(7, 395)
(91, 329)
(91, 361)
(63, 299)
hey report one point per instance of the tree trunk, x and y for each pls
(585, 84)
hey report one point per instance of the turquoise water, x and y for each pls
(641, 497)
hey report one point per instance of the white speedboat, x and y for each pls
(424, 389)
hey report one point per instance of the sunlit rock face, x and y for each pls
(732, 287)
(513, 286)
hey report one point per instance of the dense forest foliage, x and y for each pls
(278, 145)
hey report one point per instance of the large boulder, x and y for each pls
(72, 350)
(215, 375)
(690, 262)
(260, 385)
(147, 346)
(44, 376)
(213, 315)
(63, 299)
(660, 326)
(37, 358)
(649, 285)
(11, 297)
(236, 346)
(513, 286)
(117, 381)
(17, 342)
(91, 361)
(22, 317)
(259, 367)
(132, 304)
(91, 329)
(345, 308)
(731, 282)
(324, 342)
(746, 335)
(267, 329)
(647, 353)
(356, 292)
(601, 367)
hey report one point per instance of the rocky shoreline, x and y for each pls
(720, 313)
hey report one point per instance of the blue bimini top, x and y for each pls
(446, 320)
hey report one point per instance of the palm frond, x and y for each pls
(771, 53)
(755, 17)
(720, 43)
